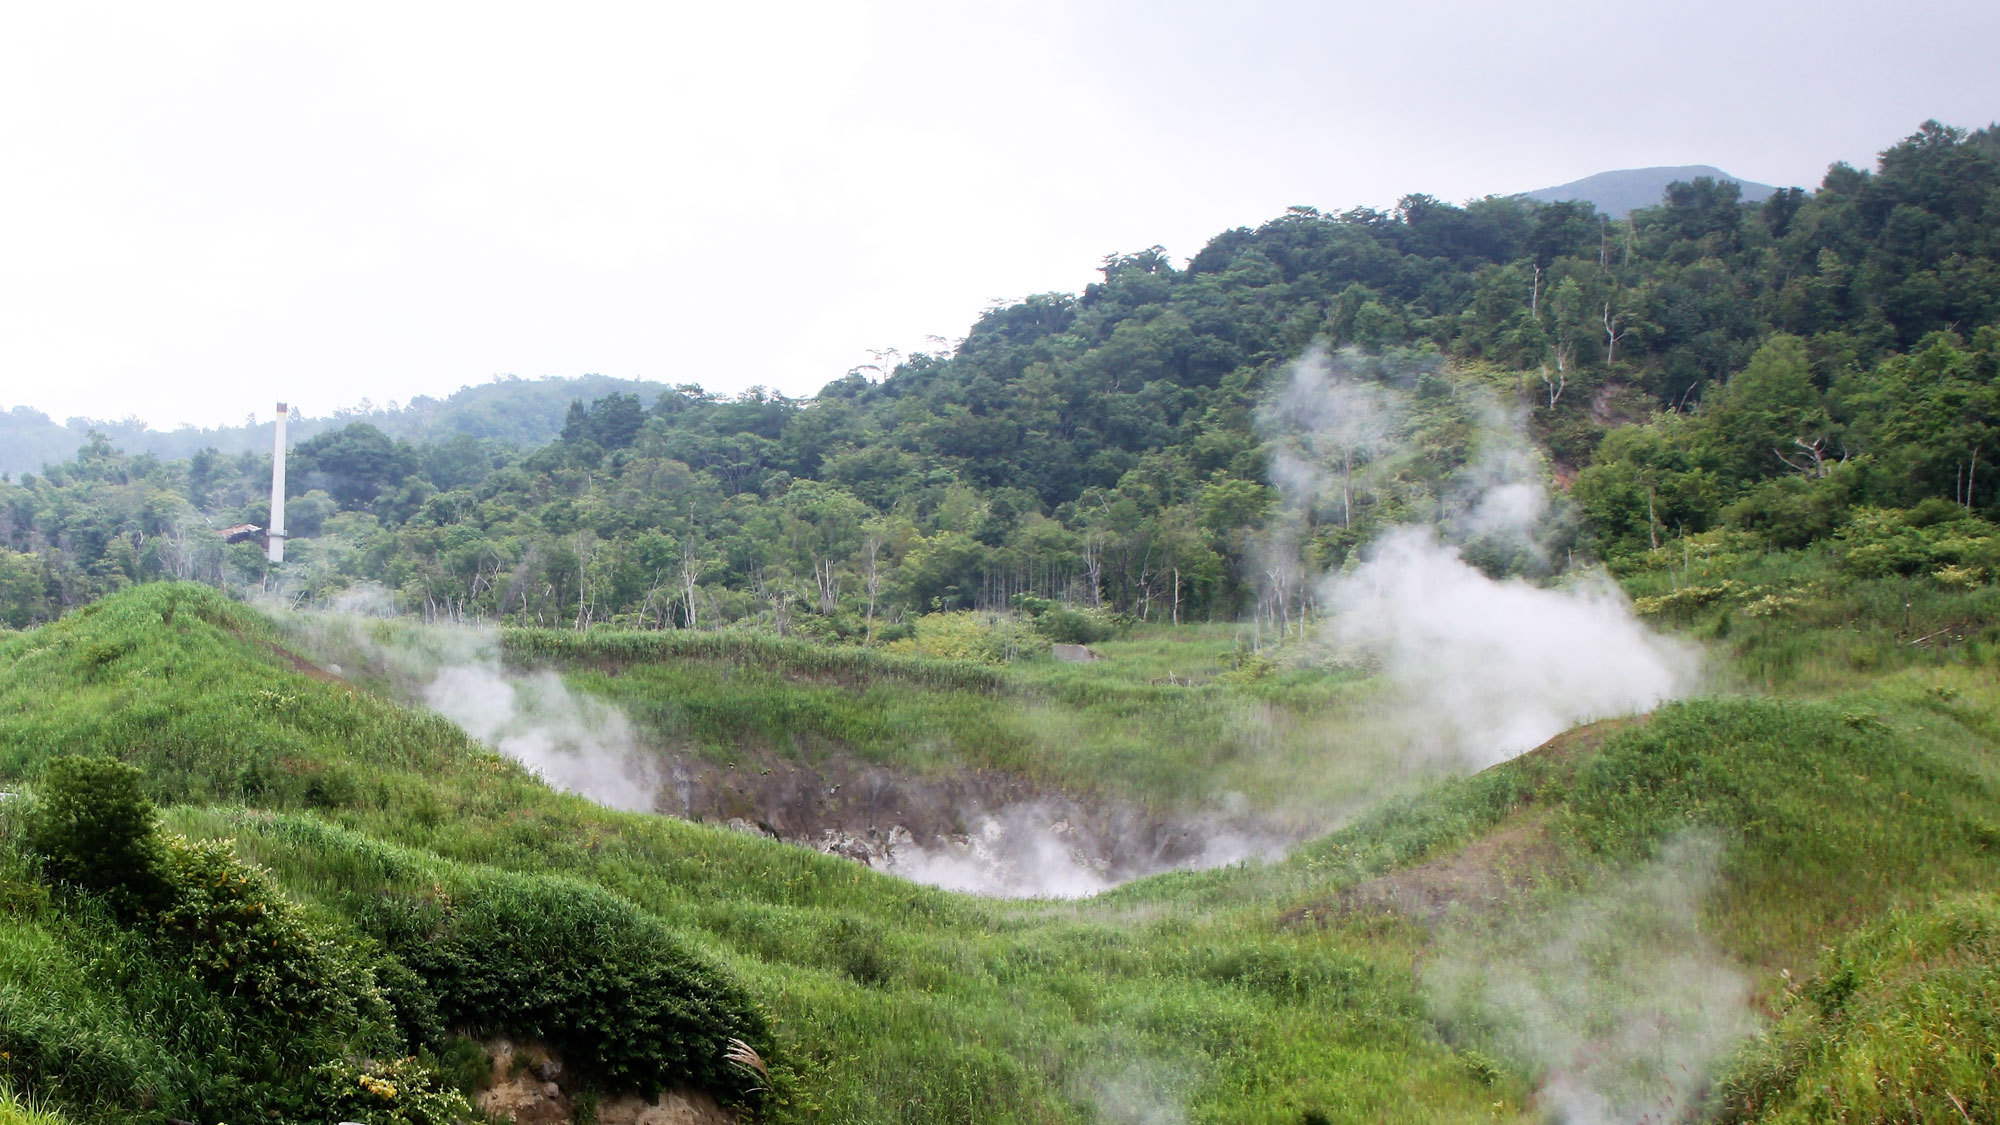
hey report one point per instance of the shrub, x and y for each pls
(1077, 627)
(1880, 542)
(1791, 512)
(60, 1035)
(987, 638)
(402, 1092)
(93, 826)
(234, 930)
(583, 970)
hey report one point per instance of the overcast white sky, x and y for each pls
(206, 207)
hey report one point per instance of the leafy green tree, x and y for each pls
(354, 464)
(1770, 418)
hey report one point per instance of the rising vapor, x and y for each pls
(1490, 668)
(1616, 1002)
(573, 741)
(1487, 668)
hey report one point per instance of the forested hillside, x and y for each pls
(1800, 370)
(510, 410)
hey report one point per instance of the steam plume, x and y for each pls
(1491, 668)
(1618, 1002)
(573, 741)
(1488, 667)
(1039, 849)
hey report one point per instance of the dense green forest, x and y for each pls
(1791, 369)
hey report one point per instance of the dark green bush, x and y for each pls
(1792, 511)
(1068, 627)
(60, 1040)
(231, 927)
(619, 995)
(401, 1092)
(1063, 625)
(93, 825)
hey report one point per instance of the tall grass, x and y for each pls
(1244, 994)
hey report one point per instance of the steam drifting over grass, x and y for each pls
(1491, 668)
(1486, 667)
(573, 741)
(1616, 1000)
(1038, 850)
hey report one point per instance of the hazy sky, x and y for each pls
(206, 207)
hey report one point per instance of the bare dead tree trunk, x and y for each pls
(1346, 486)
(691, 568)
(1093, 567)
(653, 598)
(582, 583)
(829, 586)
(1284, 618)
(873, 545)
(1812, 463)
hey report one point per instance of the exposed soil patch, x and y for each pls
(845, 806)
(1513, 857)
(527, 1086)
(1617, 403)
(1478, 877)
(1575, 743)
(301, 665)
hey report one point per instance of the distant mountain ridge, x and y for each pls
(1621, 192)
(512, 411)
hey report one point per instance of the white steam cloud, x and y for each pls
(1617, 1002)
(572, 741)
(1039, 850)
(1024, 852)
(1488, 667)
(1133, 1086)
(1491, 668)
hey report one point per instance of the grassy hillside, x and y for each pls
(1167, 717)
(1350, 982)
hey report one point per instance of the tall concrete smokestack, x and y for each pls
(276, 531)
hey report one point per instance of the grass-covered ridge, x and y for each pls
(1269, 993)
(1166, 718)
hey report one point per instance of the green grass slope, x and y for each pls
(1167, 718)
(1284, 992)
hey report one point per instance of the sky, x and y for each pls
(207, 207)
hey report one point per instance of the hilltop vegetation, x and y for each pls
(1810, 357)
(510, 411)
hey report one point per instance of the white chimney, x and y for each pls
(276, 531)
